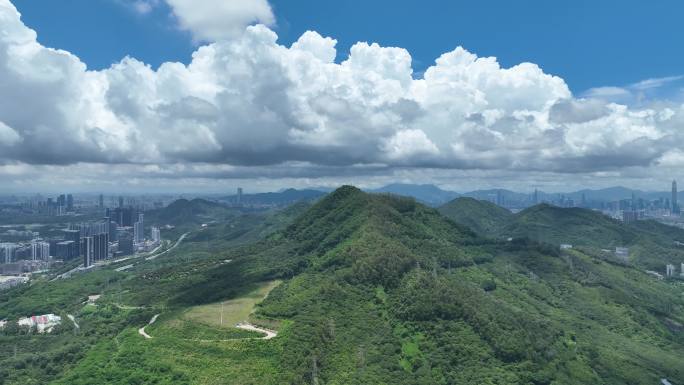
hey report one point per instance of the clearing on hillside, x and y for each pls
(231, 312)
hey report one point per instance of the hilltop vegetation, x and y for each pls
(652, 244)
(483, 217)
(378, 289)
(190, 212)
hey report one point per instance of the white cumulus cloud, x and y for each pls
(211, 20)
(246, 102)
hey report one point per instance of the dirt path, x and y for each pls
(141, 331)
(247, 326)
(73, 319)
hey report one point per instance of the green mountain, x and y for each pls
(651, 245)
(555, 225)
(428, 194)
(369, 289)
(482, 216)
(184, 212)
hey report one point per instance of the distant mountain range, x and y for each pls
(426, 193)
(280, 198)
(435, 196)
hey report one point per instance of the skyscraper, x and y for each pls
(156, 234)
(70, 202)
(239, 195)
(673, 202)
(139, 230)
(40, 251)
(101, 201)
(88, 251)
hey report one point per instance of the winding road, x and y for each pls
(247, 326)
(142, 332)
(178, 242)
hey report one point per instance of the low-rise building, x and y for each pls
(622, 253)
(43, 323)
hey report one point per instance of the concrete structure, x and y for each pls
(67, 250)
(10, 282)
(681, 270)
(40, 250)
(669, 270)
(673, 201)
(565, 246)
(125, 243)
(8, 252)
(139, 230)
(88, 251)
(43, 323)
(622, 253)
(156, 235)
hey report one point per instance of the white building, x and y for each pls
(40, 251)
(681, 270)
(669, 270)
(10, 282)
(622, 253)
(42, 323)
(88, 251)
(156, 235)
(8, 252)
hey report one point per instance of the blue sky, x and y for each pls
(188, 94)
(588, 43)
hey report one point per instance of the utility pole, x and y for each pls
(222, 313)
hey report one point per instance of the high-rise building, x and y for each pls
(669, 270)
(100, 246)
(121, 203)
(40, 251)
(67, 250)
(101, 201)
(673, 201)
(88, 251)
(239, 195)
(139, 230)
(70, 202)
(73, 236)
(123, 216)
(8, 252)
(156, 235)
(125, 243)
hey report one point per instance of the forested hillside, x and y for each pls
(483, 217)
(376, 289)
(652, 245)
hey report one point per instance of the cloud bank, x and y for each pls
(246, 102)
